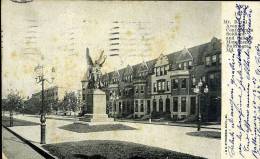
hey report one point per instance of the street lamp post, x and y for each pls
(41, 79)
(198, 90)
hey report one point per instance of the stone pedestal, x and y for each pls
(96, 107)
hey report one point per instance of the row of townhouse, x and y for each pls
(166, 85)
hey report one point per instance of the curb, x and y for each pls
(170, 124)
(42, 152)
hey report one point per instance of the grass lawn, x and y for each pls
(84, 128)
(17, 122)
(106, 149)
(208, 134)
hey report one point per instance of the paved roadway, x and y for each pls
(173, 138)
(14, 148)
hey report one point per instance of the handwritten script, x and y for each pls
(242, 123)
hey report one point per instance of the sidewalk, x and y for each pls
(173, 138)
(194, 125)
(14, 148)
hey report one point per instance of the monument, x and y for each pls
(96, 98)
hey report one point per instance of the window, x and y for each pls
(193, 82)
(219, 58)
(163, 85)
(136, 106)
(214, 59)
(142, 89)
(211, 76)
(161, 71)
(165, 70)
(185, 65)
(154, 87)
(179, 66)
(119, 92)
(183, 104)
(159, 86)
(157, 71)
(175, 104)
(142, 106)
(190, 63)
(214, 81)
(207, 61)
(136, 90)
(168, 86)
(183, 83)
(175, 84)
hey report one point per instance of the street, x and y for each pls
(14, 148)
(162, 136)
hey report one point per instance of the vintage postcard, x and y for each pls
(130, 79)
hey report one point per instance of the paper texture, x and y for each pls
(130, 79)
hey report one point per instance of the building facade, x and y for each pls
(52, 96)
(165, 86)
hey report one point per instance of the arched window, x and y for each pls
(160, 105)
(154, 105)
(167, 103)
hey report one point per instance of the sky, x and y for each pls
(57, 33)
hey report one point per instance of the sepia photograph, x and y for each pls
(111, 79)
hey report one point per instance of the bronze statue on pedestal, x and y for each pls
(94, 70)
